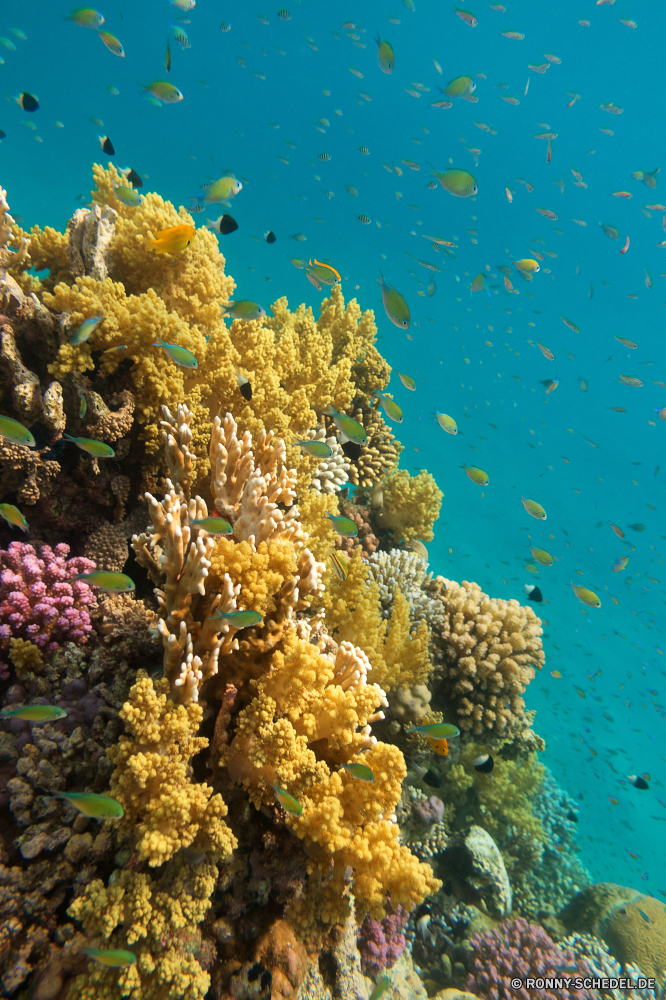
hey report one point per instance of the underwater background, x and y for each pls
(299, 110)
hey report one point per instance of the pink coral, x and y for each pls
(519, 950)
(39, 600)
(382, 942)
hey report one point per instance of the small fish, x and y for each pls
(534, 509)
(479, 285)
(340, 565)
(112, 43)
(164, 91)
(638, 782)
(395, 305)
(542, 556)
(570, 324)
(181, 355)
(172, 240)
(484, 763)
(90, 804)
(98, 449)
(545, 351)
(467, 17)
(360, 771)
(212, 525)
(85, 17)
(407, 381)
(637, 527)
(270, 236)
(239, 619)
(180, 35)
(86, 329)
(350, 429)
(107, 145)
(16, 432)
(111, 350)
(631, 380)
(167, 58)
(533, 593)
(284, 15)
(132, 177)
(343, 525)
(128, 196)
(627, 343)
(34, 713)
(610, 231)
(477, 476)
(527, 265)
(364, 220)
(220, 190)
(436, 730)
(317, 449)
(380, 988)
(547, 214)
(385, 55)
(459, 183)
(112, 958)
(225, 224)
(459, 86)
(107, 580)
(324, 273)
(612, 109)
(288, 802)
(12, 515)
(446, 422)
(27, 101)
(516, 35)
(551, 384)
(586, 596)
(243, 309)
(389, 406)
(112, 90)
(618, 531)
(620, 564)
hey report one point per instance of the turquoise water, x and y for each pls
(242, 117)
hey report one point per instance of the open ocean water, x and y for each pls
(264, 100)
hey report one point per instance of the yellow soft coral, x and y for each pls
(405, 652)
(411, 505)
(151, 778)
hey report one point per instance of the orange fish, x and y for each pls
(626, 246)
(440, 747)
(172, 240)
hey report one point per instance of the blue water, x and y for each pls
(241, 117)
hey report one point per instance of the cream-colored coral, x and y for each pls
(151, 779)
(331, 473)
(408, 572)
(10, 258)
(490, 651)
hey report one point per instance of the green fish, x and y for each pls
(240, 619)
(360, 771)
(107, 580)
(16, 432)
(127, 195)
(381, 987)
(164, 91)
(220, 190)
(180, 355)
(34, 713)
(86, 329)
(395, 306)
(340, 565)
(85, 17)
(385, 55)
(114, 959)
(479, 284)
(213, 525)
(297, 262)
(350, 429)
(318, 449)
(83, 405)
(436, 730)
(287, 801)
(95, 448)
(459, 86)
(343, 525)
(457, 182)
(243, 309)
(407, 381)
(13, 515)
(390, 407)
(90, 804)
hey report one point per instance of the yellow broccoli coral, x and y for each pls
(411, 505)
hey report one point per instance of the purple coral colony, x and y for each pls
(201, 803)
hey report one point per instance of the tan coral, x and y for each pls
(105, 424)
(382, 452)
(24, 471)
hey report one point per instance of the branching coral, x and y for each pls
(490, 651)
(407, 572)
(380, 455)
(331, 473)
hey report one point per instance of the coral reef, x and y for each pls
(597, 956)
(421, 821)
(380, 455)
(406, 572)
(411, 506)
(381, 942)
(331, 473)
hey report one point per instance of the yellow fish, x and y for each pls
(447, 423)
(528, 265)
(172, 240)
(477, 476)
(534, 508)
(542, 556)
(586, 596)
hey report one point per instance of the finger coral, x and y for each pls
(490, 650)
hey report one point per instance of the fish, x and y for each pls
(172, 240)
(479, 285)
(533, 593)
(112, 43)
(385, 55)
(12, 515)
(340, 565)
(586, 596)
(637, 527)
(477, 475)
(224, 224)
(127, 195)
(458, 86)
(324, 273)
(27, 101)
(180, 35)
(244, 385)
(132, 177)
(85, 17)
(631, 380)
(364, 220)
(239, 619)
(343, 525)
(90, 804)
(107, 145)
(167, 58)
(284, 14)
(243, 309)
(288, 802)
(395, 305)
(484, 763)
(545, 351)
(446, 422)
(627, 343)
(34, 713)
(534, 509)
(618, 531)
(107, 580)
(570, 324)
(221, 190)
(542, 556)
(270, 236)
(551, 384)
(111, 957)
(407, 381)
(183, 5)
(180, 355)
(111, 350)
(380, 988)
(86, 329)
(610, 231)
(620, 564)
(389, 406)
(317, 449)
(638, 782)
(547, 214)
(467, 17)
(527, 265)
(360, 771)
(98, 449)
(435, 730)
(350, 429)
(459, 183)
(212, 525)
(164, 91)
(516, 35)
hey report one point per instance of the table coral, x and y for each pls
(490, 650)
